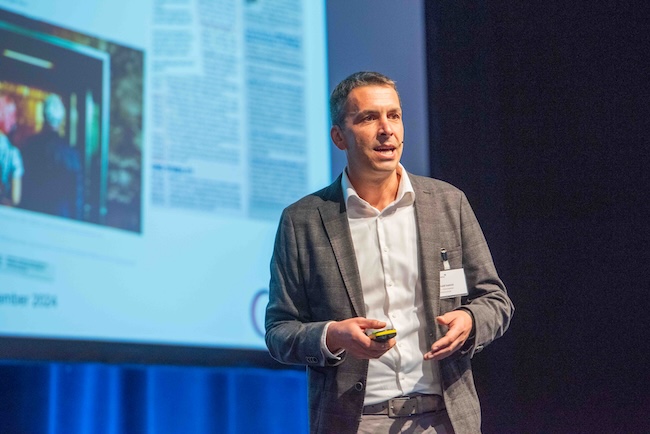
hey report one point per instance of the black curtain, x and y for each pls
(538, 112)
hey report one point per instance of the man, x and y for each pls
(367, 253)
(53, 181)
(11, 162)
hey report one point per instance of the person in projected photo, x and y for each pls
(11, 162)
(53, 180)
(366, 254)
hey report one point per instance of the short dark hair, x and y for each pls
(339, 95)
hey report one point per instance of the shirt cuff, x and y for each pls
(323, 344)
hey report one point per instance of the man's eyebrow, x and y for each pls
(365, 112)
(373, 111)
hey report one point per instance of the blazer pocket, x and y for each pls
(455, 257)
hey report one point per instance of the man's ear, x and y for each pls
(337, 137)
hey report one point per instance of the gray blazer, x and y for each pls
(315, 279)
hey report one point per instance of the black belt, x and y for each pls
(407, 406)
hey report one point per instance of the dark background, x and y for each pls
(538, 112)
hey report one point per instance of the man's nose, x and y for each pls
(385, 127)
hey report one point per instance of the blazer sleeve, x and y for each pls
(292, 337)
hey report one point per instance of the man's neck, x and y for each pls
(378, 192)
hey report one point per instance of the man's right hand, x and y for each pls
(350, 336)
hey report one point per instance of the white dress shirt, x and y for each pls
(385, 244)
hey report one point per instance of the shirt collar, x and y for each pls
(405, 192)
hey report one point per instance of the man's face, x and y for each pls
(7, 115)
(372, 132)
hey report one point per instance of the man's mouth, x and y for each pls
(385, 149)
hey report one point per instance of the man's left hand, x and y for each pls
(460, 327)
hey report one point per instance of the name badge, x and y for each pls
(452, 283)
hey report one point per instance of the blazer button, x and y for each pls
(358, 386)
(312, 360)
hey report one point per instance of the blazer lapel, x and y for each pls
(429, 245)
(335, 219)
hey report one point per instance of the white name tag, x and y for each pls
(453, 283)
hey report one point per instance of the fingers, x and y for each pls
(369, 349)
(377, 349)
(350, 336)
(444, 347)
(460, 326)
(371, 323)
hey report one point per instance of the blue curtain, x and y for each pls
(94, 398)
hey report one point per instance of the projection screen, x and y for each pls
(159, 141)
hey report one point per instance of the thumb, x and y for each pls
(373, 324)
(443, 319)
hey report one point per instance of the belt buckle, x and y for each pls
(402, 407)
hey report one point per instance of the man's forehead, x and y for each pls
(372, 97)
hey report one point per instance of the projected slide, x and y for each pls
(69, 109)
(146, 152)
